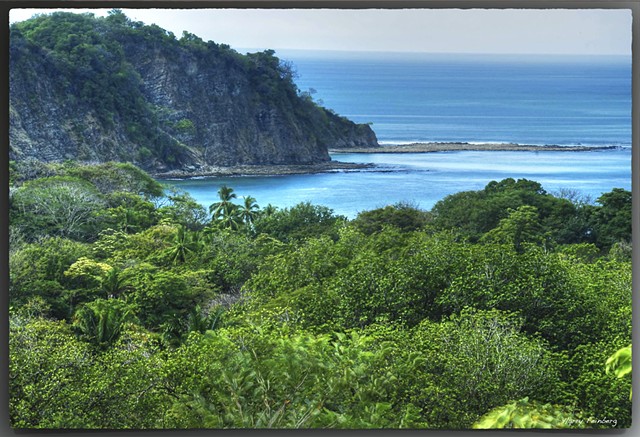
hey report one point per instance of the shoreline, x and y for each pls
(331, 166)
(263, 170)
(431, 147)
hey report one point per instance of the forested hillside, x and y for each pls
(99, 89)
(135, 307)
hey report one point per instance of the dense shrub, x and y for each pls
(151, 313)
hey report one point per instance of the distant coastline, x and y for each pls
(463, 146)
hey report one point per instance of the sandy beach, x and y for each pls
(451, 147)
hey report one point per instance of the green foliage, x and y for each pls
(129, 212)
(484, 359)
(401, 215)
(46, 370)
(183, 209)
(37, 271)
(101, 321)
(56, 206)
(621, 251)
(110, 177)
(612, 221)
(297, 318)
(77, 201)
(161, 298)
(87, 272)
(125, 385)
(231, 258)
(600, 396)
(185, 125)
(248, 211)
(199, 321)
(58, 381)
(299, 222)
(474, 213)
(24, 170)
(271, 380)
(225, 212)
(520, 227)
(531, 414)
(271, 78)
(620, 364)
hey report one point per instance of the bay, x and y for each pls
(561, 100)
(424, 178)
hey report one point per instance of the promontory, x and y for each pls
(100, 89)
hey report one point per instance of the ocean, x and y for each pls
(559, 100)
(541, 100)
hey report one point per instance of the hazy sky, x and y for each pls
(527, 31)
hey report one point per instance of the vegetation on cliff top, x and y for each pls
(120, 89)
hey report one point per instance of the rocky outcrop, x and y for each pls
(98, 89)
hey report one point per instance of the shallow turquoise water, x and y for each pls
(424, 178)
(470, 98)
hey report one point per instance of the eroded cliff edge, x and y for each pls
(101, 89)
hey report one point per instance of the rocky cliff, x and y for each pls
(99, 89)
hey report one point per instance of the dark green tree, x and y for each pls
(299, 222)
(520, 227)
(101, 321)
(403, 216)
(612, 220)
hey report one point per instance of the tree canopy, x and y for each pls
(131, 307)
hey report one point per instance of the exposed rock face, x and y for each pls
(99, 89)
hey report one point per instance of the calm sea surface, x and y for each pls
(476, 98)
(533, 100)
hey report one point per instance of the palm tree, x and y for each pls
(226, 211)
(249, 210)
(183, 245)
(199, 321)
(268, 210)
(232, 219)
(113, 283)
(101, 321)
(225, 207)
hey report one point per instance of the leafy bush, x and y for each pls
(299, 222)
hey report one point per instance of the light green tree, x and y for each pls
(620, 364)
(531, 414)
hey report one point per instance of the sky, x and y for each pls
(494, 31)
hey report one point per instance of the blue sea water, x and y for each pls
(424, 178)
(506, 99)
(534, 99)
